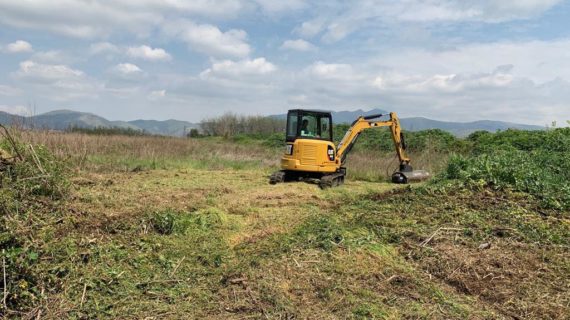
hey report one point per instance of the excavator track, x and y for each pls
(277, 177)
(282, 176)
(332, 180)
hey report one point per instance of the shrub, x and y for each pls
(534, 162)
(557, 140)
(230, 125)
(194, 133)
(536, 173)
(108, 131)
(31, 181)
(381, 139)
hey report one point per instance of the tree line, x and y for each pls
(230, 125)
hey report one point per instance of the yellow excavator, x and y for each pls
(311, 153)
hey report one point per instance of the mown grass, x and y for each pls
(345, 253)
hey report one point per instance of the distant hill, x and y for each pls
(460, 129)
(167, 127)
(463, 129)
(64, 119)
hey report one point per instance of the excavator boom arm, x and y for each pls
(364, 123)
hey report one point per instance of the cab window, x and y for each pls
(292, 122)
(325, 130)
(309, 126)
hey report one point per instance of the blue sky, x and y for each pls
(457, 60)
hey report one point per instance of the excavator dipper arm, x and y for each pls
(364, 123)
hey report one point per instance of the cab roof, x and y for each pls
(311, 111)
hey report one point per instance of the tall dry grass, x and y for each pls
(88, 152)
(121, 153)
(375, 165)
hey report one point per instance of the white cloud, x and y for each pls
(464, 96)
(55, 82)
(157, 94)
(309, 29)
(298, 45)
(52, 56)
(208, 39)
(128, 69)
(19, 46)
(148, 53)
(16, 110)
(443, 82)
(103, 47)
(337, 31)
(100, 18)
(124, 91)
(341, 19)
(244, 68)
(298, 99)
(47, 72)
(499, 11)
(274, 6)
(540, 61)
(332, 71)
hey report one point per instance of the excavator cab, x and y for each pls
(311, 153)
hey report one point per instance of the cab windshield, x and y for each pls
(307, 125)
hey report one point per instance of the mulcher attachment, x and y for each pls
(407, 174)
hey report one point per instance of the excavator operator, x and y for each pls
(305, 129)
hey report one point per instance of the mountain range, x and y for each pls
(64, 119)
(461, 129)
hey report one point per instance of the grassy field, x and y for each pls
(165, 228)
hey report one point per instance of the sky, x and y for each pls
(454, 60)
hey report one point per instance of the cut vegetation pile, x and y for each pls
(196, 232)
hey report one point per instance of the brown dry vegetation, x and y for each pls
(165, 228)
(376, 166)
(96, 152)
(123, 153)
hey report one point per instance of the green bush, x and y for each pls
(109, 131)
(533, 162)
(194, 133)
(557, 140)
(381, 139)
